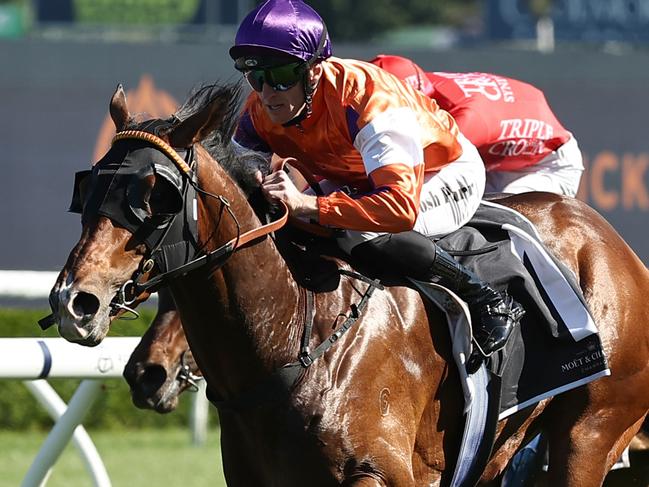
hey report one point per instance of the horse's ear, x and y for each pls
(200, 124)
(119, 109)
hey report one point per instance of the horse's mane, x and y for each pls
(241, 164)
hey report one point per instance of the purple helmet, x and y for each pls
(281, 29)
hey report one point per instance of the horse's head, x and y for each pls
(132, 203)
(162, 366)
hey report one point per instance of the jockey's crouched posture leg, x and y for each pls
(448, 200)
(494, 315)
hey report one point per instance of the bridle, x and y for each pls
(186, 376)
(185, 379)
(140, 281)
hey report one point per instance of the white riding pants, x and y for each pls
(559, 172)
(449, 198)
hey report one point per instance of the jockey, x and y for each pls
(394, 167)
(522, 143)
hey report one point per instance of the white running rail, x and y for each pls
(36, 359)
(29, 284)
(26, 284)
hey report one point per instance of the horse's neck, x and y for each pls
(251, 301)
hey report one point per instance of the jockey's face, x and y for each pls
(283, 106)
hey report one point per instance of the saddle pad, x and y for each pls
(558, 347)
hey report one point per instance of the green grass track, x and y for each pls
(136, 458)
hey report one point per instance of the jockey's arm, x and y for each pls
(392, 206)
(389, 142)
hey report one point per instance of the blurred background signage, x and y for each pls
(63, 58)
(575, 20)
(143, 12)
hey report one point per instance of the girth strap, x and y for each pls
(306, 358)
(282, 380)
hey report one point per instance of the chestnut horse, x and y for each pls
(162, 367)
(383, 406)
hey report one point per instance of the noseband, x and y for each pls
(133, 288)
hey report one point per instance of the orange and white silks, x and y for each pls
(368, 131)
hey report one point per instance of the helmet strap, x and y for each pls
(321, 44)
(307, 109)
(309, 90)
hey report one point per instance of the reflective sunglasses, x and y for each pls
(279, 78)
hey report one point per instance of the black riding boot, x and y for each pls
(494, 315)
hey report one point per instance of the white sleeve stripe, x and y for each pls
(392, 137)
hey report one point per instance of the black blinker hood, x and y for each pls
(115, 188)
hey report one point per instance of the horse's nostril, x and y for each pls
(85, 304)
(153, 377)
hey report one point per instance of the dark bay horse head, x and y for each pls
(162, 366)
(380, 408)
